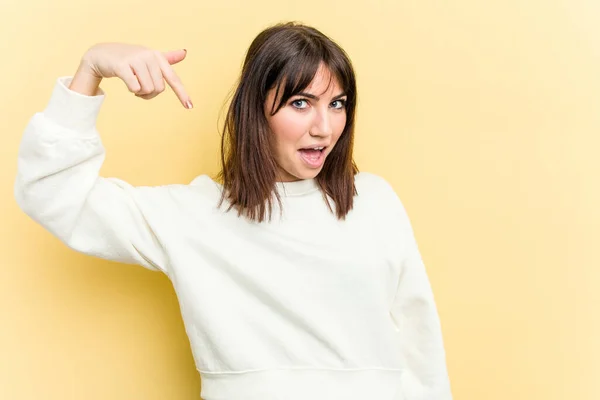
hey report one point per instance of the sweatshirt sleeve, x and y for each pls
(58, 185)
(416, 318)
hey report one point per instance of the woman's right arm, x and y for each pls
(60, 155)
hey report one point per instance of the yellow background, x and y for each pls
(484, 115)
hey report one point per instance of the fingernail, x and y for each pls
(189, 104)
(185, 50)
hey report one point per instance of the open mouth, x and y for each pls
(313, 156)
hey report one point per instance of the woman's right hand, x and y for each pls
(143, 70)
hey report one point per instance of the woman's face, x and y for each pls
(307, 127)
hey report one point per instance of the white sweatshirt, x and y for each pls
(302, 307)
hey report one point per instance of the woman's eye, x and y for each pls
(299, 104)
(338, 104)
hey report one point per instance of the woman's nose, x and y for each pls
(321, 124)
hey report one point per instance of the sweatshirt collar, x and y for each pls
(297, 188)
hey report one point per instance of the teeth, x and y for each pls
(318, 148)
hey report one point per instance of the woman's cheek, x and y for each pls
(341, 125)
(299, 125)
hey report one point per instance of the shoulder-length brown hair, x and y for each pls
(284, 57)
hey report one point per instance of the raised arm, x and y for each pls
(60, 155)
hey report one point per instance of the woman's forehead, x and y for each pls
(323, 82)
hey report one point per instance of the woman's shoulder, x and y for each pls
(200, 192)
(205, 183)
(378, 192)
(379, 195)
(368, 183)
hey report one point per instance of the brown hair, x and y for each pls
(284, 57)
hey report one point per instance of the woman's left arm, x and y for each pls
(415, 315)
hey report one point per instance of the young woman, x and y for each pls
(297, 276)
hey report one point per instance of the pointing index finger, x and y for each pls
(175, 83)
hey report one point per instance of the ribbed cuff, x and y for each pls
(71, 109)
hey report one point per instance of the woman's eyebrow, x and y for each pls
(312, 96)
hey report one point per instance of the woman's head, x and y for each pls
(297, 93)
(307, 126)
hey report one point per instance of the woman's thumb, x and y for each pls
(175, 56)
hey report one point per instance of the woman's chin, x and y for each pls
(299, 174)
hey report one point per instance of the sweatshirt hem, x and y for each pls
(247, 371)
(303, 383)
